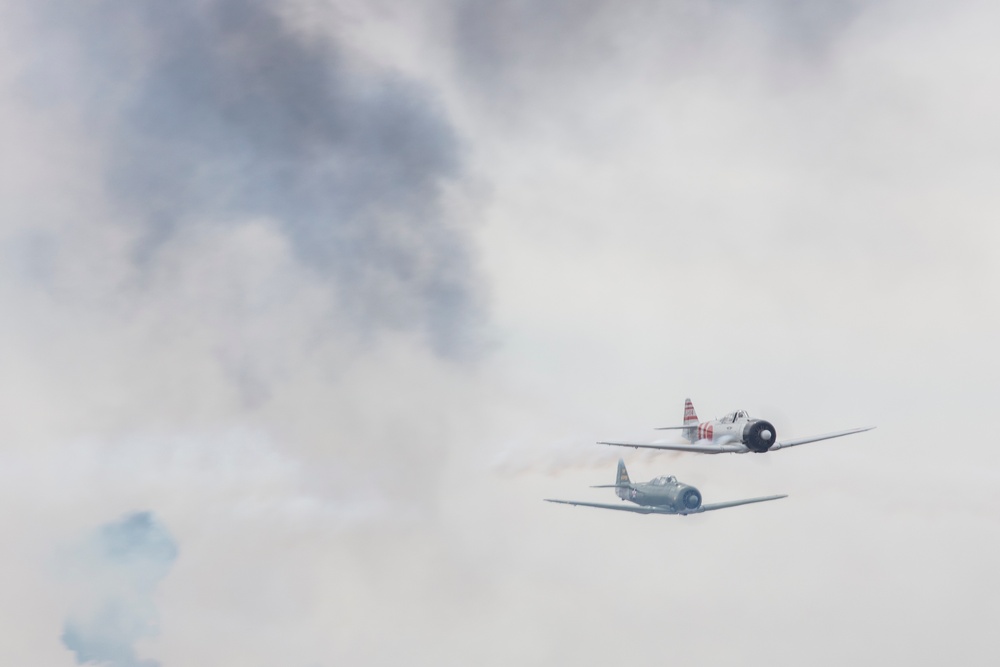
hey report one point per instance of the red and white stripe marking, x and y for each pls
(690, 416)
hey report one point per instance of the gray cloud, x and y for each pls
(119, 568)
(217, 111)
(516, 53)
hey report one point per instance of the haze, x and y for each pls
(307, 304)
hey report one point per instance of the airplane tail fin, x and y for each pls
(690, 421)
(622, 481)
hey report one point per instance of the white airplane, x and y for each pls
(735, 433)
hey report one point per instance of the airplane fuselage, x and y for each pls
(665, 492)
(737, 427)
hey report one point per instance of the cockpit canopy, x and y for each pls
(663, 481)
(735, 416)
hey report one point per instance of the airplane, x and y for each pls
(663, 495)
(735, 433)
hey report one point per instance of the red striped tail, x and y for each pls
(691, 421)
(690, 416)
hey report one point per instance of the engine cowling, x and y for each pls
(759, 435)
(691, 498)
(681, 497)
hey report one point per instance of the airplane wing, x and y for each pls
(674, 428)
(698, 447)
(639, 509)
(816, 438)
(736, 503)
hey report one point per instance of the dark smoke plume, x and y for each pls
(215, 111)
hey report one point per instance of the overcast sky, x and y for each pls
(307, 304)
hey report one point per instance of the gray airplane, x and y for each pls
(663, 495)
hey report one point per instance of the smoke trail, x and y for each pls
(118, 569)
(567, 455)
